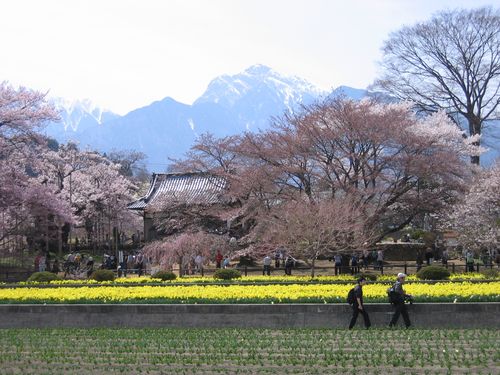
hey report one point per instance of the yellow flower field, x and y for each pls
(250, 279)
(294, 293)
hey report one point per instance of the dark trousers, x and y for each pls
(400, 309)
(338, 269)
(355, 313)
(140, 269)
(266, 270)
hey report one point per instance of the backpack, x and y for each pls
(351, 298)
(394, 297)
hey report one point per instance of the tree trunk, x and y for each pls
(475, 129)
(59, 241)
(47, 248)
(180, 267)
(312, 266)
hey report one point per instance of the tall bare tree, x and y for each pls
(131, 163)
(450, 62)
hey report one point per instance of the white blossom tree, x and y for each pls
(476, 218)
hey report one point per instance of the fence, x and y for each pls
(7, 275)
(390, 268)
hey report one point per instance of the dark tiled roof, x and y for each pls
(185, 188)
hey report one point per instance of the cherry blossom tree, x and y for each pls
(320, 229)
(25, 196)
(45, 187)
(95, 189)
(183, 248)
(391, 165)
(476, 217)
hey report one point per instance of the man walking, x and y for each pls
(358, 306)
(398, 297)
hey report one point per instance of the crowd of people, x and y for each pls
(357, 261)
(79, 265)
(281, 259)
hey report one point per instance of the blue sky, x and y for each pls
(125, 54)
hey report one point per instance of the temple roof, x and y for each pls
(182, 188)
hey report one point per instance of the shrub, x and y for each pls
(491, 273)
(227, 274)
(433, 273)
(367, 276)
(164, 275)
(43, 277)
(103, 275)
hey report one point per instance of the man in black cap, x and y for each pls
(357, 305)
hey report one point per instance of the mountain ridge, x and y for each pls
(166, 128)
(231, 104)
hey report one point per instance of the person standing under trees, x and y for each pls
(37, 262)
(90, 266)
(218, 259)
(380, 259)
(288, 265)
(55, 267)
(358, 306)
(225, 262)
(429, 256)
(419, 260)
(277, 258)
(267, 266)
(198, 261)
(398, 297)
(41, 263)
(366, 255)
(130, 262)
(354, 264)
(444, 257)
(338, 264)
(140, 264)
(469, 261)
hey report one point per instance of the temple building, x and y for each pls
(175, 202)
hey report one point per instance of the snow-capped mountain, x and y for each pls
(76, 117)
(231, 104)
(259, 93)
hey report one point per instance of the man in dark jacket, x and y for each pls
(399, 302)
(358, 306)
